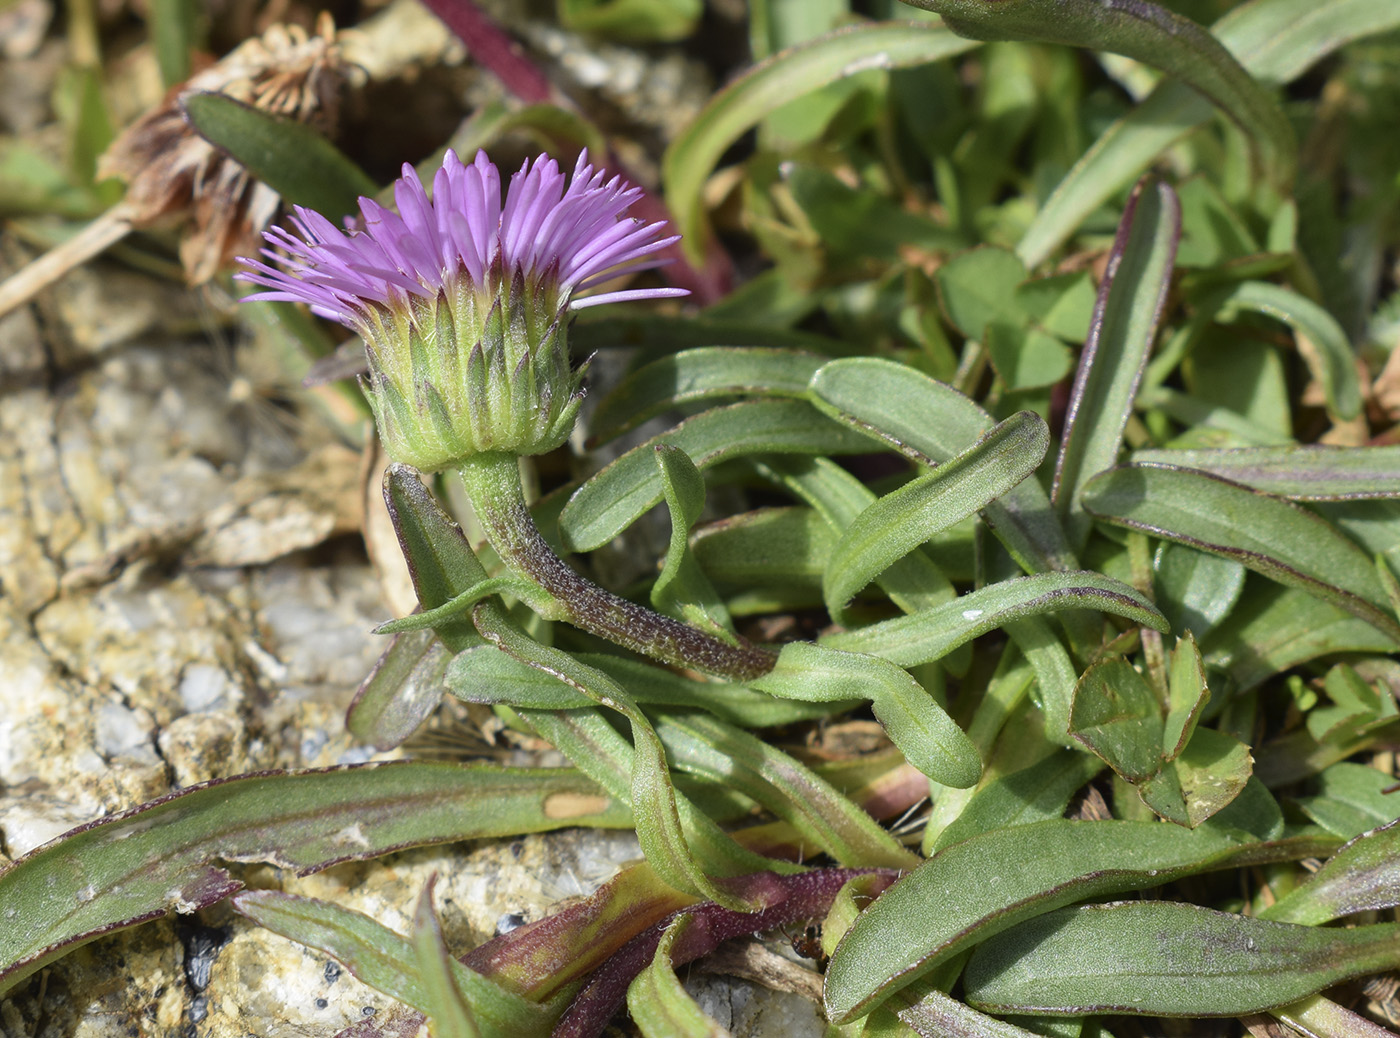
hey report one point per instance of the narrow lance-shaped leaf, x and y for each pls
(680, 842)
(773, 83)
(931, 422)
(449, 1014)
(1364, 876)
(971, 890)
(1322, 341)
(912, 582)
(659, 1003)
(1124, 325)
(142, 863)
(703, 373)
(486, 675)
(384, 960)
(1281, 540)
(622, 492)
(1275, 40)
(928, 737)
(682, 590)
(1151, 34)
(702, 745)
(1165, 959)
(290, 157)
(1306, 473)
(902, 520)
(930, 634)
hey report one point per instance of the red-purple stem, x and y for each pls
(804, 896)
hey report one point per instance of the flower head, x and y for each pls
(463, 300)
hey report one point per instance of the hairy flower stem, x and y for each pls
(492, 480)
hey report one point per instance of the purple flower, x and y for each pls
(463, 300)
(572, 238)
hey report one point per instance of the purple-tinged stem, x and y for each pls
(805, 896)
(492, 481)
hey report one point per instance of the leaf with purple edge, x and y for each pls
(1129, 307)
(1301, 474)
(971, 890)
(142, 863)
(1269, 535)
(1364, 876)
(1159, 958)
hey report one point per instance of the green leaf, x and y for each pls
(899, 522)
(936, 1015)
(913, 582)
(931, 422)
(1117, 716)
(978, 288)
(682, 590)
(1352, 799)
(134, 866)
(1308, 473)
(659, 1003)
(632, 21)
(1026, 358)
(1364, 876)
(773, 83)
(1163, 959)
(173, 34)
(932, 633)
(971, 890)
(1275, 40)
(290, 157)
(703, 373)
(701, 745)
(1150, 34)
(681, 843)
(1195, 591)
(1275, 628)
(1321, 340)
(486, 675)
(622, 492)
(1269, 535)
(855, 223)
(1032, 794)
(1187, 695)
(449, 1015)
(401, 692)
(1130, 304)
(928, 737)
(384, 960)
(1063, 304)
(772, 557)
